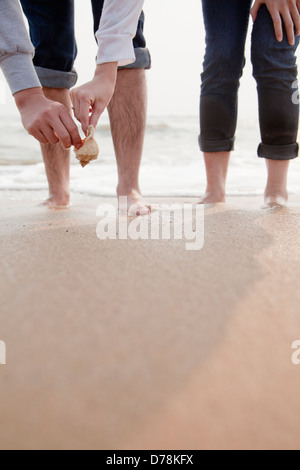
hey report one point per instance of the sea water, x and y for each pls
(172, 163)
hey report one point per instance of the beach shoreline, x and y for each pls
(141, 344)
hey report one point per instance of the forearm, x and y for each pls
(107, 72)
(16, 50)
(116, 30)
(21, 97)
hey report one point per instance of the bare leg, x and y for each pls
(216, 165)
(276, 190)
(57, 159)
(127, 112)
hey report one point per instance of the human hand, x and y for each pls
(90, 100)
(46, 120)
(286, 11)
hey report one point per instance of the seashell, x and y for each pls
(89, 150)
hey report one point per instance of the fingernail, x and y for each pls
(78, 146)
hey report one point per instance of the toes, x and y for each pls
(138, 209)
(154, 207)
(273, 206)
(134, 207)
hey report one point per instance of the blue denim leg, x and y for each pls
(51, 25)
(142, 54)
(275, 70)
(226, 24)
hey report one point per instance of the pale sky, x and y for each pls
(175, 37)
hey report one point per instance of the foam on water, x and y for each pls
(172, 163)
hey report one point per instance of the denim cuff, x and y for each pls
(216, 145)
(55, 78)
(142, 59)
(278, 152)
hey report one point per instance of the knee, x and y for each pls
(222, 67)
(274, 67)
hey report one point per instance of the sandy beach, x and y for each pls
(124, 344)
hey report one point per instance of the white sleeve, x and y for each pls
(116, 30)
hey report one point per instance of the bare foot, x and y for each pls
(133, 204)
(276, 195)
(212, 197)
(275, 200)
(57, 202)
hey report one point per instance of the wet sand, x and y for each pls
(123, 344)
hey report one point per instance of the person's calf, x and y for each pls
(216, 165)
(127, 113)
(57, 159)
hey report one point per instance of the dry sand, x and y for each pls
(141, 344)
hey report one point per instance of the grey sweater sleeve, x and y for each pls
(16, 50)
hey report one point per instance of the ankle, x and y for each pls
(218, 191)
(61, 197)
(128, 190)
(276, 189)
(272, 194)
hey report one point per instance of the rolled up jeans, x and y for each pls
(274, 69)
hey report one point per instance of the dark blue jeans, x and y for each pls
(274, 69)
(51, 24)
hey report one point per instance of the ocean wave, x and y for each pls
(101, 179)
(172, 164)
